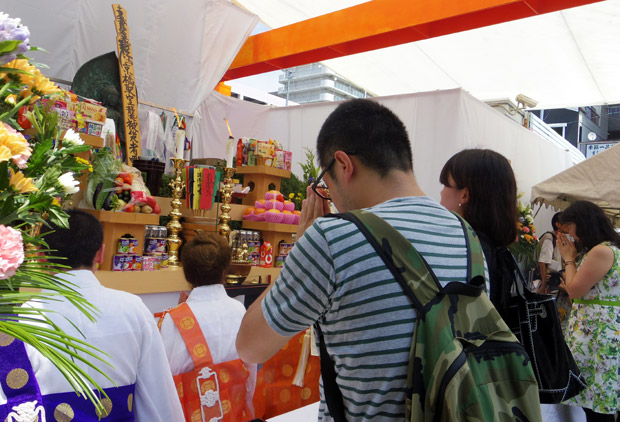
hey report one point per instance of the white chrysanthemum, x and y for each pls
(69, 184)
(72, 138)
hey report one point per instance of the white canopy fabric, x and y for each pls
(562, 59)
(595, 179)
(180, 49)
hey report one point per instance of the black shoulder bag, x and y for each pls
(533, 318)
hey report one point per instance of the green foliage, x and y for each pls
(311, 171)
(294, 188)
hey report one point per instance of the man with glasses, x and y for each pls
(334, 277)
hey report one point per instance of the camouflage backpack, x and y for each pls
(464, 364)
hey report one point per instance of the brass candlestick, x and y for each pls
(223, 228)
(174, 226)
(240, 266)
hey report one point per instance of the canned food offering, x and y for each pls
(148, 263)
(280, 261)
(133, 246)
(123, 246)
(253, 247)
(117, 262)
(255, 258)
(155, 245)
(285, 248)
(157, 262)
(137, 263)
(128, 263)
(164, 260)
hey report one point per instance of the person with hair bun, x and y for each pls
(592, 281)
(205, 326)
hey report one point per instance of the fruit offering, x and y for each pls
(113, 186)
(272, 209)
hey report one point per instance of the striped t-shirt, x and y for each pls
(333, 275)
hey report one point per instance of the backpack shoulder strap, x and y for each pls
(192, 335)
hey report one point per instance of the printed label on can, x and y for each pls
(123, 246)
(128, 263)
(137, 263)
(280, 261)
(164, 260)
(118, 261)
(133, 246)
(148, 263)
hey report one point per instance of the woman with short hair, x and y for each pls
(201, 333)
(480, 186)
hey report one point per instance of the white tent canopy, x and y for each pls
(180, 49)
(595, 179)
(562, 59)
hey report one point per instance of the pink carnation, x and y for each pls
(525, 230)
(11, 251)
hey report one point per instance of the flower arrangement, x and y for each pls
(37, 173)
(525, 246)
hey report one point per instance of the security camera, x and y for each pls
(526, 101)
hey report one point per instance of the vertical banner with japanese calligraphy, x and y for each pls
(128, 84)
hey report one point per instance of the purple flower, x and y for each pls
(12, 30)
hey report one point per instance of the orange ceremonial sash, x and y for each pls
(209, 390)
(275, 393)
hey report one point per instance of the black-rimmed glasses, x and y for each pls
(323, 188)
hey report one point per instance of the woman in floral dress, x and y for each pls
(592, 281)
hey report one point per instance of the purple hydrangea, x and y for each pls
(12, 30)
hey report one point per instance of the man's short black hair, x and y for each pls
(371, 131)
(79, 243)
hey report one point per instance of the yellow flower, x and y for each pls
(55, 202)
(20, 64)
(5, 153)
(16, 144)
(291, 195)
(21, 183)
(85, 162)
(41, 85)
